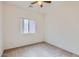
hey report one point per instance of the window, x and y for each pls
(28, 26)
(32, 26)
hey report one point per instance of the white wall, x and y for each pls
(1, 29)
(62, 26)
(13, 36)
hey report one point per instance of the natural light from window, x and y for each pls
(28, 26)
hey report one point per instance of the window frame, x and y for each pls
(22, 26)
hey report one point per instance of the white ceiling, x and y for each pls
(24, 4)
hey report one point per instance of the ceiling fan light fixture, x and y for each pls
(40, 2)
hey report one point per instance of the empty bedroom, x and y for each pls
(39, 28)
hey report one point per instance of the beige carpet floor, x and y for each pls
(38, 50)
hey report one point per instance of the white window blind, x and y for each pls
(29, 26)
(25, 26)
(32, 26)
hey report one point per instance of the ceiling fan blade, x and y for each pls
(47, 1)
(34, 2)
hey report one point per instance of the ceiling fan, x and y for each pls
(40, 3)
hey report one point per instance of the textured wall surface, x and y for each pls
(62, 26)
(13, 36)
(1, 29)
